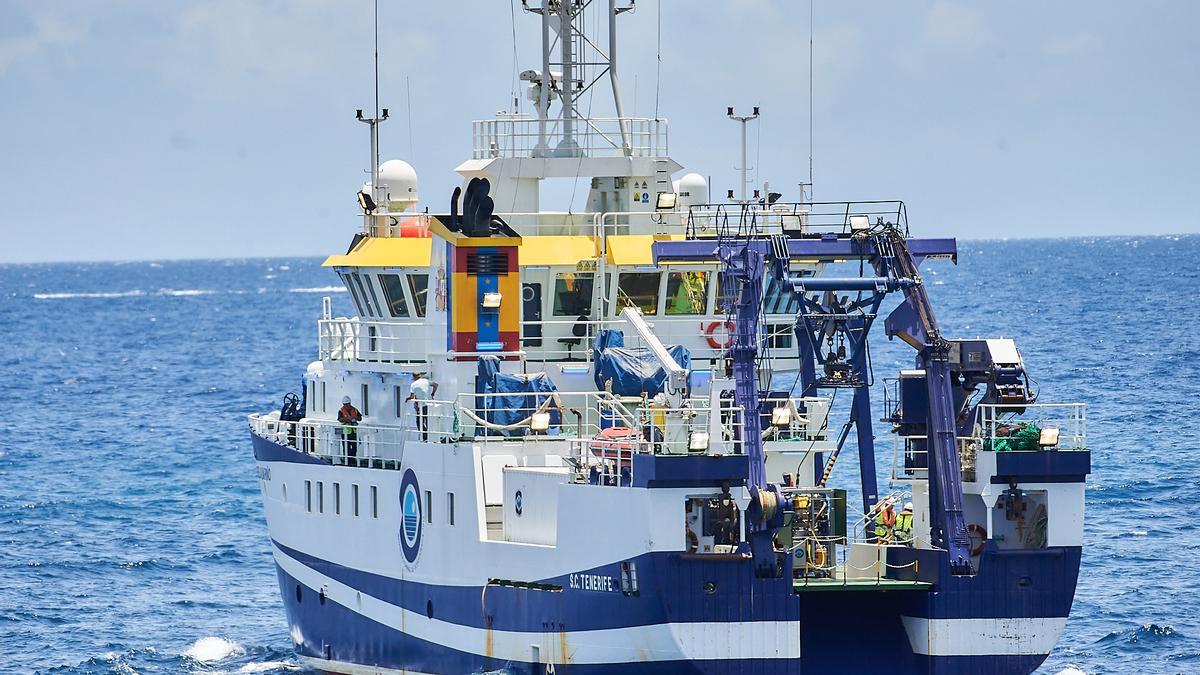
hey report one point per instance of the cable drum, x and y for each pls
(769, 503)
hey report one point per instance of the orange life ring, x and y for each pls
(976, 532)
(712, 329)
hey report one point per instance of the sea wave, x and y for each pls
(212, 648)
(88, 294)
(319, 289)
(184, 293)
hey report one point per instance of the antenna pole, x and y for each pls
(612, 76)
(373, 123)
(743, 119)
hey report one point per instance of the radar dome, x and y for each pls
(692, 189)
(399, 182)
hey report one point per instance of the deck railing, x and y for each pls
(519, 136)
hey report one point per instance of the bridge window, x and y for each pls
(638, 289)
(779, 299)
(419, 285)
(687, 293)
(573, 294)
(366, 279)
(358, 303)
(367, 307)
(393, 292)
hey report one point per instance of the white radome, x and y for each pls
(399, 181)
(692, 189)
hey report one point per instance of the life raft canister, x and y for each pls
(711, 330)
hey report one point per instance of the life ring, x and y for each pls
(976, 532)
(711, 330)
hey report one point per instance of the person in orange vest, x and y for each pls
(349, 417)
(885, 521)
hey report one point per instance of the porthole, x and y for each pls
(710, 587)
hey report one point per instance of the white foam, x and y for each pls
(185, 293)
(319, 289)
(268, 665)
(1070, 670)
(88, 294)
(209, 649)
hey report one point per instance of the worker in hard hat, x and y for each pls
(885, 521)
(349, 417)
(904, 525)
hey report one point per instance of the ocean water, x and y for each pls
(132, 538)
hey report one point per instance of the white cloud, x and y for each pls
(48, 33)
(951, 25)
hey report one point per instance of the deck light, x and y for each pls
(365, 201)
(781, 416)
(539, 422)
(859, 223)
(491, 300)
(1048, 438)
(698, 441)
(666, 201)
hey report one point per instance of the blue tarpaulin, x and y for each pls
(632, 370)
(508, 399)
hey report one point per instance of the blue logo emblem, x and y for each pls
(517, 502)
(410, 512)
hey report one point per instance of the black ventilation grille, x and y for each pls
(487, 264)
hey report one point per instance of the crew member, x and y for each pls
(349, 417)
(885, 521)
(420, 393)
(904, 524)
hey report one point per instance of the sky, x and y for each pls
(225, 128)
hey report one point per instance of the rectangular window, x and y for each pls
(687, 293)
(419, 285)
(366, 278)
(353, 291)
(573, 294)
(366, 399)
(367, 309)
(779, 300)
(374, 502)
(324, 398)
(320, 496)
(393, 292)
(354, 498)
(337, 499)
(398, 394)
(308, 496)
(638, 289)
(429, 507)
(450, 508)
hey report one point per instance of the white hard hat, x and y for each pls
(908, 506)
(345, 399)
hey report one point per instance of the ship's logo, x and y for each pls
(517, 502)
(410, 516)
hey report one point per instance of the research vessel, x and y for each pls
(608, 440)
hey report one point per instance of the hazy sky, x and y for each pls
(225, 128)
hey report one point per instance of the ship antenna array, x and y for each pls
(369, 205)
(743, 119)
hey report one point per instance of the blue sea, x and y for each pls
(132, 539)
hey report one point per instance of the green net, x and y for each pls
(1021, 438)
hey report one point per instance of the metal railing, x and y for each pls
(810, 217)
(911, 463)
(520, 136)
(1032, 427)
(367, 445)
(401, 341)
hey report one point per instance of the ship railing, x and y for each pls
(365, 444)
(761, 219)
(910, 457)
(355, 339)
(1032, 427)
(520, 136)
(384, 223)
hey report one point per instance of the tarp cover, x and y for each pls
(632, 370)
(508, 399)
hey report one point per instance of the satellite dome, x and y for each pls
(692, 189)
(399, 182)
